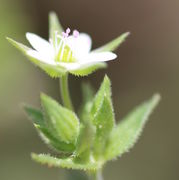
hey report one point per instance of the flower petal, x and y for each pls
(70, 66)
(40, 57)
(48, 65)
(90, 60)
(98, 57)
(80, 45)
(78, 69)
(40, 44)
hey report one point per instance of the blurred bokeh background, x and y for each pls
(147, 63)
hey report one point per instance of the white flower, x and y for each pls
(71, 52)
(65, 53)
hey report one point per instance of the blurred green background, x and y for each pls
(147, 63)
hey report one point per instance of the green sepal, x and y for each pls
(54, 25)
(127, 132)
(37, 118)
(104, 123)
(68, 163)
(52, 70)
(104, 90)
(114, 44)
(62, 122)
(88, 69)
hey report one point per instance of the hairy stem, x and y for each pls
(64, 90)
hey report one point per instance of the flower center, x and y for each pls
(63, 52)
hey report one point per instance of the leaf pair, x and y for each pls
(96, 139)
(60, 129)
(111, 140)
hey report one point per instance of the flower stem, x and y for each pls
(64, 90)
(97, 175)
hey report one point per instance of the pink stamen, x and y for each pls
(76, 33)
(65, 35)
(68, 31)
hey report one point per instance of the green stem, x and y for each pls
(97, 175)
(64, 90)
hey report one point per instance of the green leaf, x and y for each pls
(104, 122)
(35, 115)
(127, 132)
(105, 90)
(53, 142)
(65, 163)
(86, 70)
(85, 142)
(114, 44)
(51, 70)
(54, 25)
(61, 122)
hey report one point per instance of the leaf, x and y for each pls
(51, 70)
(61, 122)
(114, 44)
(104, 122)
(35, 115)
(86, 70)
(127, 132)
(85, 142)
(64, 163)
(102, 116)
(105, 90)
(54, 24)
(53, 142)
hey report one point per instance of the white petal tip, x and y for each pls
(28, 34)
(114, 56)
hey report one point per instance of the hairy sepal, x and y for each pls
(52, 70)
(114, 44)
